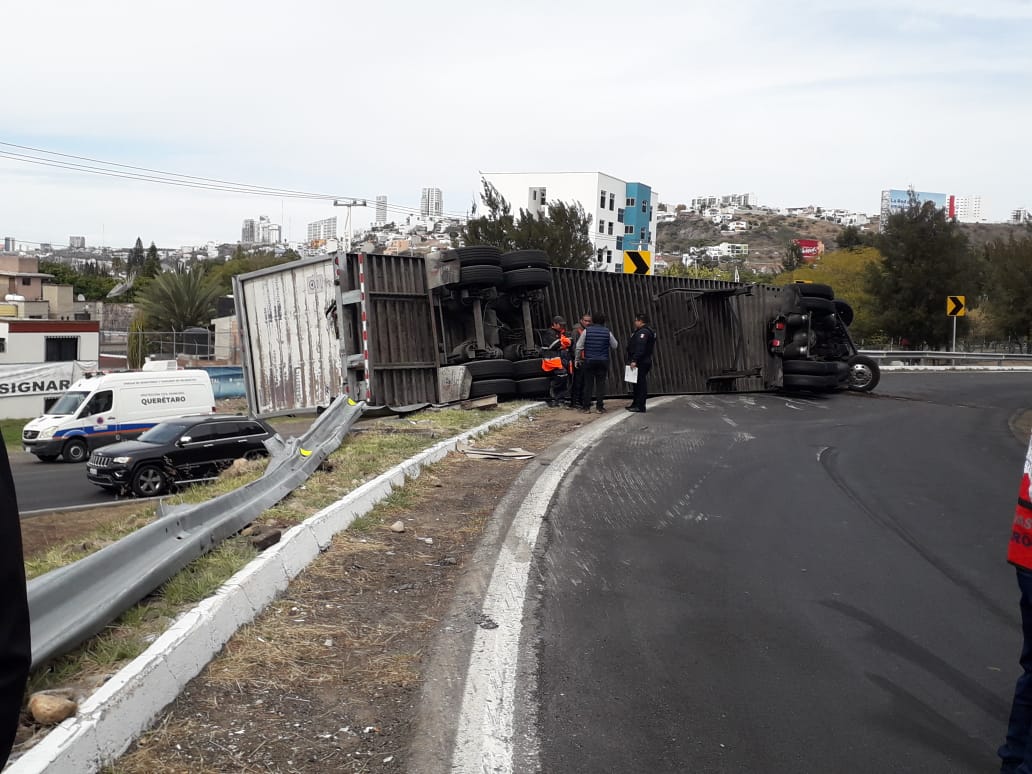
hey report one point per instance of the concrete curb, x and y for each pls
(124, 707)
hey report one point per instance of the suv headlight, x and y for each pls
(47, 433)
(120, 460)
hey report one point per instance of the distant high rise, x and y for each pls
(431, 203)
(969, 209)
(76, 241)
(1021, 215)
(9, 244)
(381, 209)
(249, 234)
(321, 230)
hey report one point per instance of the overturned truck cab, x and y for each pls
(395, 330)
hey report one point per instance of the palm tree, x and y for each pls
(176, 300)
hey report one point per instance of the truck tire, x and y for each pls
(480, 276)
(525, 259)
(815, 290)
(864, 374)
(809, 368)
(479, 255)
(809, 382)
(489, 369)
(527, 369)
(75, 451)
(534, 388)
(527, 279)
(817, 305)
(844, 312)
(503, 388)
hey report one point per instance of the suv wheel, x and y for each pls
(149, 481)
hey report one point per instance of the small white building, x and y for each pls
(623, 214)
(39, 359)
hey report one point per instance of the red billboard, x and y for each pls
(812, 248)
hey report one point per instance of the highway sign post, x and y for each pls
(955, 308)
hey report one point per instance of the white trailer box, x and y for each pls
(104, 409)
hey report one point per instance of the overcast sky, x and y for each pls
(799, 102)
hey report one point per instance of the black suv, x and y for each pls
(179, 450)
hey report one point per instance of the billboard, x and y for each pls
(812, 248)
(896, 200)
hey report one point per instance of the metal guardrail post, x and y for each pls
(72, 603)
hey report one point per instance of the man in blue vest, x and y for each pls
(593, 349)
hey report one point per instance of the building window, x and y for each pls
(641, 234)
(599, 254)
(3, 345)
(610, 228)
(612, 201)
(609, 256)
(619, 243)
(533, 194)
(26, 280)
(630, 202)
(543, 190)
(60, 349)
(628, 229)
(619, 216)
(602, 200)
(601, 227)
(644, 206)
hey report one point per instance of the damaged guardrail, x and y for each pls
(70, 604)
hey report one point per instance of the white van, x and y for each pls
(115, 407)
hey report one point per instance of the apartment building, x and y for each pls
(623, 214)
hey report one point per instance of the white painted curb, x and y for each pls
(124, 707)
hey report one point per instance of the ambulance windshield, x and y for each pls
(68, 403)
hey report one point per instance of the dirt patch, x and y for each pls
(328, 677)
(40, 533)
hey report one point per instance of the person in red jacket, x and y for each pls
(1016, 752)
(15, 645)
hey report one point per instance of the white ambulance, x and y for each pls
(115, 407)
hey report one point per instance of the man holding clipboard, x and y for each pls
(639, 361)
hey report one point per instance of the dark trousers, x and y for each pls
(641, 387)
(559, 387)
(1016, 752)
(577, 387)
(595, 382)
(15, 646)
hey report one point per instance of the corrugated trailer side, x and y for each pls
(712, 335)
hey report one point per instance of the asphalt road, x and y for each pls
(758, 583)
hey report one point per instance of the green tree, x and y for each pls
(151, 264)
(1009, 288)
(136, 351)
(793, 257)
(846, 272)
(850, 237)
(136, 257)
(175, 300)
(562, 231)
(93, 283)
(926, 258)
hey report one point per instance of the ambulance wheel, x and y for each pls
(75, 451)
(48, 457)
(149, 481)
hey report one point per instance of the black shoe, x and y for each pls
(585, 411)
(636, 410)
(601, 409)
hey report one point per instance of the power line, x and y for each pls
(146, 174)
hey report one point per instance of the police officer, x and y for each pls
(639, 358)
(15, 645)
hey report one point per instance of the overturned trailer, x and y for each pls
(404, 331)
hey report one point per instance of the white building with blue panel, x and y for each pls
(623, 214)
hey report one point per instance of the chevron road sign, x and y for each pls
(637, 261)
(955, 306)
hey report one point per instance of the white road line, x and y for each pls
(484, 741)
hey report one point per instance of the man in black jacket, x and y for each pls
(15, 645)
(639, 358)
